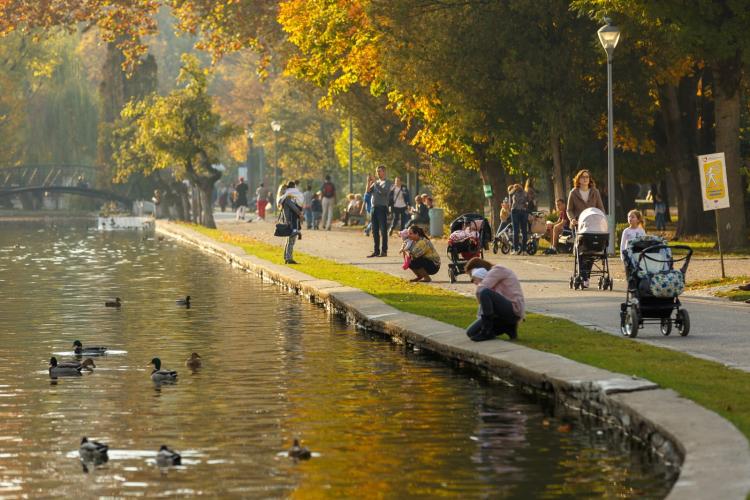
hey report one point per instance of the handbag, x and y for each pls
(283, 229)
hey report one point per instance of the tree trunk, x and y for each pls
(557, 168)
(732, 224)
(493, 173)
(207, 209)
(680, 152)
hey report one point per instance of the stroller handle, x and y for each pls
(686, 257)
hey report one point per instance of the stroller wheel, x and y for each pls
(611, 283)
(495, 246)
(630, 322)
(666, 326)
(532, 246)
(602, 284)
(505, 248)
(682, 322)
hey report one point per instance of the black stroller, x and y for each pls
(591, 241)
(654, 286)
(460, 251)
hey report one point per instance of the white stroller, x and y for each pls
(591, 241)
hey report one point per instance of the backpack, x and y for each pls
(329, 190)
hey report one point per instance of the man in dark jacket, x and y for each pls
(380, 188)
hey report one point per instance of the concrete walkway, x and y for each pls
(719, 328)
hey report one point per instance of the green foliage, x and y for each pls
(179, 131)
(458, 190)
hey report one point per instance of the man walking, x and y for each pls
(381, 192)
(328, 191)
(261, 194)
(307, 197)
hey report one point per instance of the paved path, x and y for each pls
(720, 329)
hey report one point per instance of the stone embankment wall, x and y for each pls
(714, 456)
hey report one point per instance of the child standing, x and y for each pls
(634, 229)
(317, 210)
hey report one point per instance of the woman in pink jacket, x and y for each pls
(501, 302)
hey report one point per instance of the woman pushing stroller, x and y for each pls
(583, 195)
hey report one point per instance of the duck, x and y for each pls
(87, 364)
(159, 375)
(299, 452)
(194, 361)
(64, 370)
(88, 351)
(183, 302)
(93, 451)
(167, 457)
(113, 303)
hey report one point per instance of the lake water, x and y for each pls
(382, 420)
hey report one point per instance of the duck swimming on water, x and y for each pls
(93, 451)
(167, 457)
(87, 364)
(194, 361)
(299, 452)
(183, 302)
(63, 370)
(162, 376)
(113, 303)
(88, 351)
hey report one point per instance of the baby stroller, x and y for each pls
(591, 240)
(654, 286)
(503, 240)
(478, 236)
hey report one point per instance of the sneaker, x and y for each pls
(291, 262)
(374, 254)
(513, 332)
(383, 254)
(745, 287)
(585, 283)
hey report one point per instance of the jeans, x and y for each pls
(328, 204)
(520, 219)
(289, 247)
(661, 221)
(380, 228)
(497, 317)
(399, 218)
(309, 217)
(584, 266)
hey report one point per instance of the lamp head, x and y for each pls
(609, 35)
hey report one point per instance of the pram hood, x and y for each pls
(475, 222)
(593, 220)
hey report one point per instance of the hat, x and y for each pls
(479, 273)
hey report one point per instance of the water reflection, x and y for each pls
(382, 421)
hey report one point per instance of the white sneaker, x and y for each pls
(585, 283)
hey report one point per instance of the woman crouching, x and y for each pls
(424, 260)
(501, 302)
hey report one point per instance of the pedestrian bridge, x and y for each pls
(55, 178)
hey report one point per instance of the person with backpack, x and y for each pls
(328, 190)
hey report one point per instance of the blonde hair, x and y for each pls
(638, 215)
(577, 184)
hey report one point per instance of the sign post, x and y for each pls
(714, 191)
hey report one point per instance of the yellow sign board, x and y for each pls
(713, 174)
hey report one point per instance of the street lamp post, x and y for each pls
(351, 158)
(276, 127)
(609, 35)
(249, 162)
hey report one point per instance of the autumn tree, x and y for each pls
(180, 132)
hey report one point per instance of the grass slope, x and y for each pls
(712, 385)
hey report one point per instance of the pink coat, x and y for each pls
(504, 281)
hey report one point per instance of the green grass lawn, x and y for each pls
(712, 385)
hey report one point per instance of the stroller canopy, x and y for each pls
(593, 220)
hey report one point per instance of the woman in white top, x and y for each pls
(399, 200)
(635, 229)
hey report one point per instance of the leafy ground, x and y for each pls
(712, 385)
